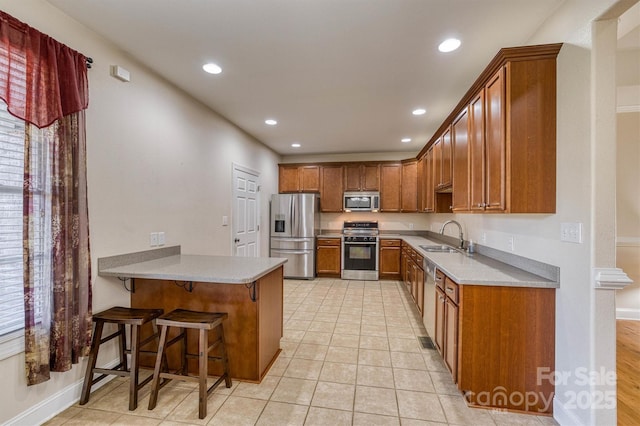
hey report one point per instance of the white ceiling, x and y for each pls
(339, 75)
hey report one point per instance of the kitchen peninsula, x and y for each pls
(248, 289)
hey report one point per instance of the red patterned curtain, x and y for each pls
(41, 80)
(45, 84)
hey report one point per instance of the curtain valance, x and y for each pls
(41, 79)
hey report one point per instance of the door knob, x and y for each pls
(237, 240)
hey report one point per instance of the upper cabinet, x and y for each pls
(512, 144)
(442, 161)
(331, 188)
(390, 187)
(495, 152)
(409, 186)
(428, 189)
(362, 177)
(503, 135)
(297, 178)
(460, 142)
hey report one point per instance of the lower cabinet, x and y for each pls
(389, 259)
(413, 275)
(451, 327)
(328, 257)
(441, 316)
(495, 341)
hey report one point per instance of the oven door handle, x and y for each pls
(360, 243)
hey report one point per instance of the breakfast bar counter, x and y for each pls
(249, 290)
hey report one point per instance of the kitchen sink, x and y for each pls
(439, 249)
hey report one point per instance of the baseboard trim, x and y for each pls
(563, 416)
(56, 403)
(628, 314)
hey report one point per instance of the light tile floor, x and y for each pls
(349, 356)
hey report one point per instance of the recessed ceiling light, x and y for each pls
(295, 145)
(212, 68)
(449, 45)
(270, 122)
(405, 140)
(419, 111)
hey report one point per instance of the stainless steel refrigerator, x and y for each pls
(295, 222)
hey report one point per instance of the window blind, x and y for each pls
(11, 176)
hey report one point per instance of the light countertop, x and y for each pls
(475, 269)
(197, 268)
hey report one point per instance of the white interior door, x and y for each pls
(246, 212)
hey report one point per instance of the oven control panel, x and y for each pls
(360, 238)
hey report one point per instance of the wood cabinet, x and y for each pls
(413, 275)
(428, 188)
(409, 186)
(476, 152)
(511, 151)
(512, 140)
(252, 331)
(390, 187)
(328, 254)
(493, 174)
(494, 340)
(331, 188)
(441, 301)
(491, 316)
(446, 339)
(389, 259)
(362, 177)
(460, 141)
(418, 285)
(451, 327)
(512, 148)
(298, 178)
(442, 161)
(420, 184)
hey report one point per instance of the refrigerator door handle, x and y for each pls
(291, 251)
(294, 225)
(293, 239)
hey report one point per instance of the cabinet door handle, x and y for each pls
(450, 290)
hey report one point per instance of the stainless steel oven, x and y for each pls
(360, 251)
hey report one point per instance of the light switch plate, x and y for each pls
(153, 239)
(571, 232)
(161, 238)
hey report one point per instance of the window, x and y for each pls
(12, 134)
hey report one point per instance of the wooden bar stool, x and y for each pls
(121, 316)
(184, 320)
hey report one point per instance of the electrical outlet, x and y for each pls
(571, 232)
(511, 242)
(161, 238)
(483, 237)
(153, 239)
(411, 226)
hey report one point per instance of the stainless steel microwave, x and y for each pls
(361, 202)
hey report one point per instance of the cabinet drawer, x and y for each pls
(451, 290)
(329, 241)
(390, 243)
(440, 277)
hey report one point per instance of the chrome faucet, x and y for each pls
(459, 227)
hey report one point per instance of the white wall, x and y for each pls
(628, 212)
(157, 161)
